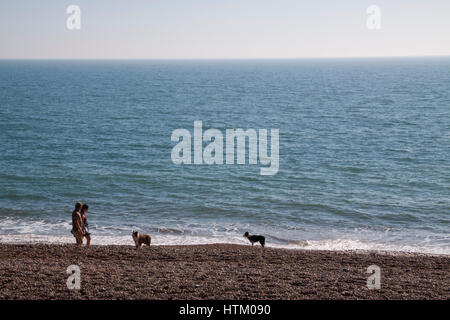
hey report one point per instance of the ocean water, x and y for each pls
(364, 152)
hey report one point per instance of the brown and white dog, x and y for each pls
(140, 239)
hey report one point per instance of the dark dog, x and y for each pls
(140, 239)
(255, 238)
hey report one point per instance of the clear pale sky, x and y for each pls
(198, 29)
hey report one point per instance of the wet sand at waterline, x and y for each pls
(217, 271)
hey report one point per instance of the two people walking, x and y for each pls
(80, 224)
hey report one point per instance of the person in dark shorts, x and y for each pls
(85, 229)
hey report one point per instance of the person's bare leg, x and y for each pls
(88, 238)
(79, 238)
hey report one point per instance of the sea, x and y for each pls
(364, 152)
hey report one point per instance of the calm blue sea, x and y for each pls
(364, 152)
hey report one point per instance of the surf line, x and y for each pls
(213, 151)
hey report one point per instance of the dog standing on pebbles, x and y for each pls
(140, 239)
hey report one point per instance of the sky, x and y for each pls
(226, 29)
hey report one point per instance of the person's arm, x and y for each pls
(76, 222)
(80, 219)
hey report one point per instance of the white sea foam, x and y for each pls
(19, 231)
(158, 239)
